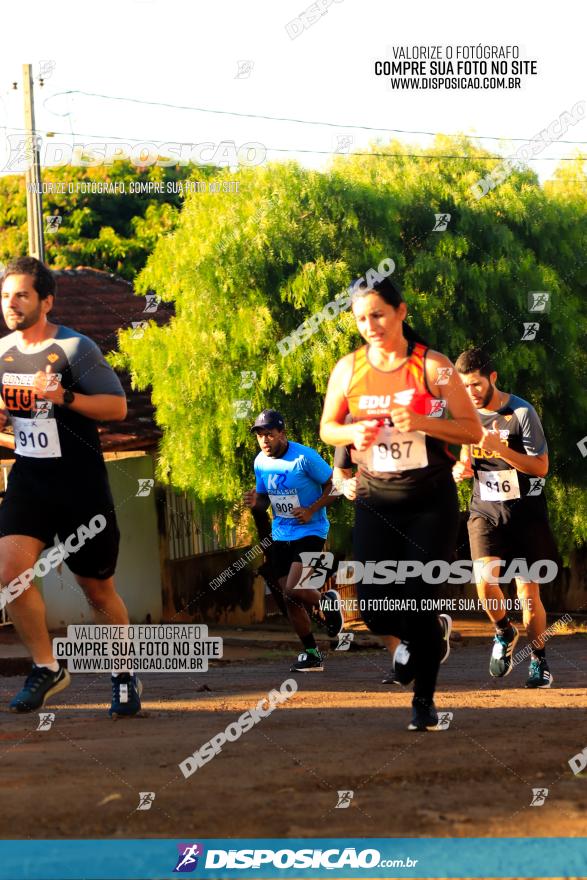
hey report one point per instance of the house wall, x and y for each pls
(195, 548)
(189, 593)
(138, 570)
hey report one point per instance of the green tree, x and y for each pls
(245, 270)
(110, 231)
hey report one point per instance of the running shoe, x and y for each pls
(126, 695)
(424, 716)
(308, 662)
(402, 671)
(539, 675)
(500, 664)
(402, 664)
(330, 606)
(446, 624)
(41, 684)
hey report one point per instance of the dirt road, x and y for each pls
(342, 731)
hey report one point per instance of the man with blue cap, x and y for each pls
(297, 483)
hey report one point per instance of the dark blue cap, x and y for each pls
(268, 419)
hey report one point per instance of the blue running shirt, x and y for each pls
(294, 480)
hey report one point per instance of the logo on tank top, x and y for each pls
(53, 357)
(383, 401)
(374, 401)
(404, 398)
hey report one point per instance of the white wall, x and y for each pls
(137, 573)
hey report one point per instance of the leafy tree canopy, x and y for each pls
(110, 231)
(244, 270)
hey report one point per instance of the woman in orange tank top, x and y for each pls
(398, 404)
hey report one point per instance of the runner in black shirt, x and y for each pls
(508, 513)
(54, 386)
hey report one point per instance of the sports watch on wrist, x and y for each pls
(68, 397)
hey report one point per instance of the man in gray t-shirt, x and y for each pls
(51, 434)
(508, 517)
(55, 385)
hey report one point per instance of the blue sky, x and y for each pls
(188, 54)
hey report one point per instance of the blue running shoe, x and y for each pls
(41, 684)
(500, 664)
(126, 695)
(539, 674)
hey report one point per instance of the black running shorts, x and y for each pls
(417, 527)
(43, 509)
(518, 538)
(282, 554)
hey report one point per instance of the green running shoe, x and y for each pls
(500, 664)
(539, 675)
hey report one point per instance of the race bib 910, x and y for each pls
(36, 439)
(394, 451)
(499, 485)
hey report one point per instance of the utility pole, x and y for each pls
(34, 198)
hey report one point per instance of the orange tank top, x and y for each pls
(407, 458)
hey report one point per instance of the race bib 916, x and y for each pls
(499, 485)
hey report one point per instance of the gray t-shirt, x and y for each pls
(500, 491)
(48, 437)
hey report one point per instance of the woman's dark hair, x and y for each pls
(43, 279)
(390, 292)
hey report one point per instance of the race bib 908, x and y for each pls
(284, 505)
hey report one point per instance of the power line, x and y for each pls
(420, 155)
(123, 138)
(281, 118)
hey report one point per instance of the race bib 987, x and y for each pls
(394, 451)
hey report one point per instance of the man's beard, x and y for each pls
(23, 323)
(488, 396)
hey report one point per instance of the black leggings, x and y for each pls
(420, 529)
